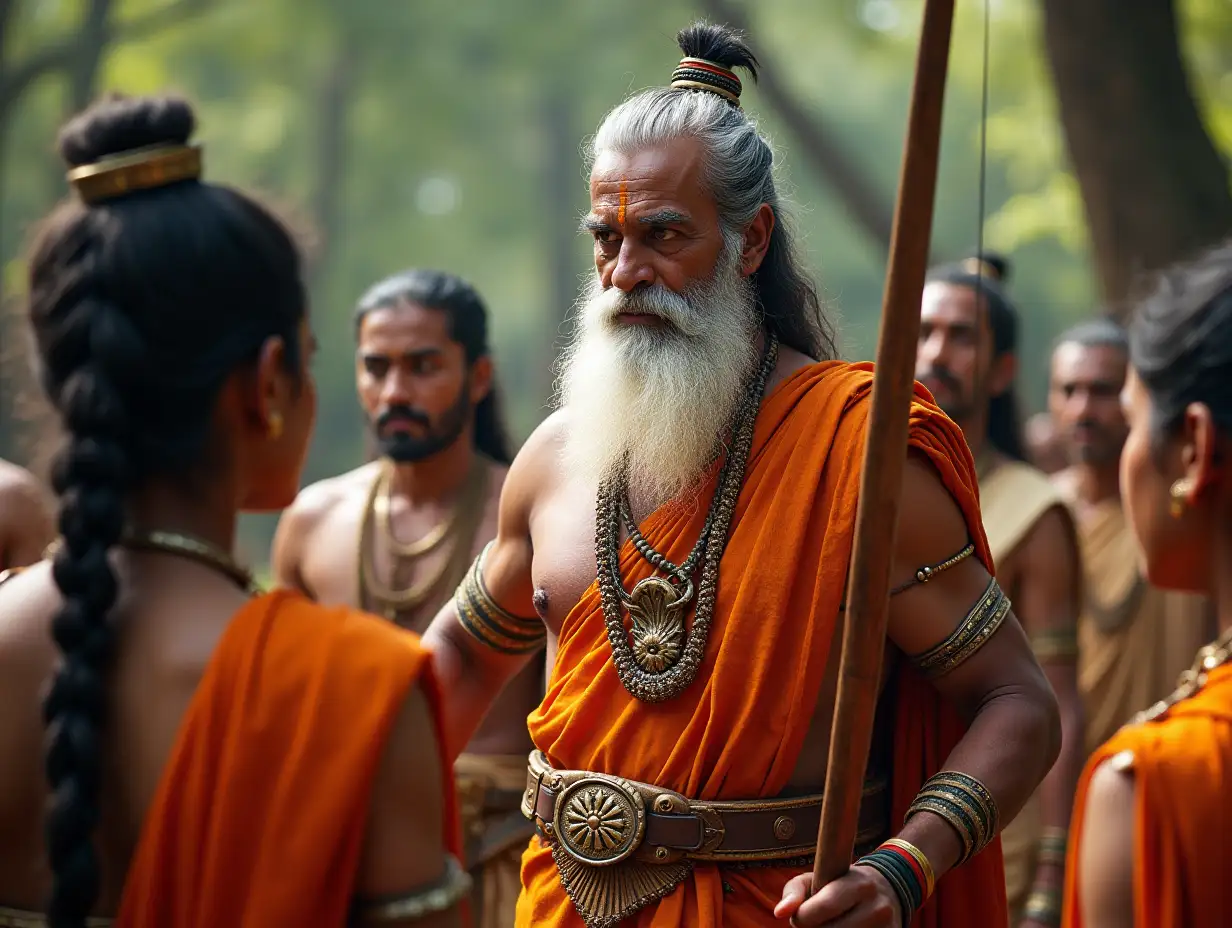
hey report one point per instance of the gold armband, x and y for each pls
(972, 634)
(445, 893)
(1061, 645)
(499, 629)
(965, 804)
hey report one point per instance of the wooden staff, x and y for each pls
(885, 454)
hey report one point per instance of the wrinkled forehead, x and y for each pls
(666, 174)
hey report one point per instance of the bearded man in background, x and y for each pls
(410, 523)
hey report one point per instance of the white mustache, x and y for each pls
(656, 300)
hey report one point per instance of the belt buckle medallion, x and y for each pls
(600, 820)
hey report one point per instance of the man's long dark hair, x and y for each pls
(987, 276)
(468, 326)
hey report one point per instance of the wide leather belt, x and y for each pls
(599, 820)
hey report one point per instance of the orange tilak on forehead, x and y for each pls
(624, 201)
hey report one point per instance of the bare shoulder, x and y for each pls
(27, 599)
(540, 457)
(317, 500)
(1052, 540)
(1106, 851)
(20, 488)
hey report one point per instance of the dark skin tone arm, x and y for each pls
(1014, 734)
(1047, 588)
(403, 850)
(471, 673)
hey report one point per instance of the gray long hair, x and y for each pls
(738, 171)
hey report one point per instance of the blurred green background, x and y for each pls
(447, 133)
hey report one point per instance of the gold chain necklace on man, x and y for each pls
(461, 524)
(661, 661)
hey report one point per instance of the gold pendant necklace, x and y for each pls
(657, 659)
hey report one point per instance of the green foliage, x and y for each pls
(446, 157)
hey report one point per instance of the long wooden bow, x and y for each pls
(885, 453)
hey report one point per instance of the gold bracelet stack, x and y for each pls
(1044, 906)
(1052, 846)
(925, 865)
(972, 634)
(494, 626)
(965, 804)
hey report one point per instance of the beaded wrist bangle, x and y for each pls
(965, 804)
(922, 865)
(899, 870)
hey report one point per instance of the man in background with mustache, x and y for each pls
(967, 359)
(396, 535)
(679, 531)
(1133, 640)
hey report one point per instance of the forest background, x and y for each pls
(447, 133)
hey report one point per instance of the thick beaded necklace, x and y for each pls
(657, 660)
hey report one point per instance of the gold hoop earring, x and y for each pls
(1180, 490)
(274, 429)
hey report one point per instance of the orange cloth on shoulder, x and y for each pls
(260, 815)
(1183, 819)
(738, 730)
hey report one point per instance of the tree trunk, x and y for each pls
(1154, 187)
(93, 37)
(336, 97)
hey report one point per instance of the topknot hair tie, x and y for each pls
(700, 74)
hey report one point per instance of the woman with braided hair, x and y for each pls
(175, 750)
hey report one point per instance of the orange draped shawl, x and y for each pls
(1182, 816)
(737, 731)
(260, 815)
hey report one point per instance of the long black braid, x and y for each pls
(141, 308)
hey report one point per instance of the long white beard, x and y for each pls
(660, 398)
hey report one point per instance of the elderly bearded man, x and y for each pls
(698, 486)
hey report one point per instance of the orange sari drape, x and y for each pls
(1183, 818)
(260, 814)
(737, 731)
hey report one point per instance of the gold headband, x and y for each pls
(980, 268)
(139, 169)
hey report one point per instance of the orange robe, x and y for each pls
(737, 731)
(260, 815)
(1183, 819)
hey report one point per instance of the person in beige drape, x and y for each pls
(1133, 640)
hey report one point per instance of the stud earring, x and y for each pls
(274, 429)
(1180, 489)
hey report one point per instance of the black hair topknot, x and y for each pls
(118, 123)
(722, 45)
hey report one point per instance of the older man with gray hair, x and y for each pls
(679, 532)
